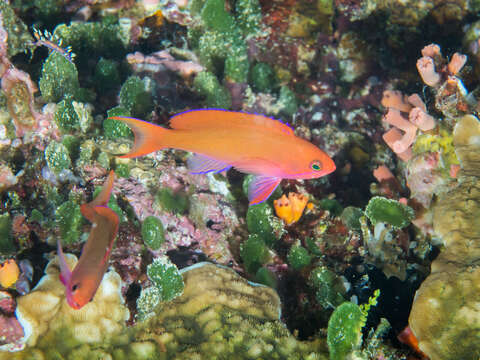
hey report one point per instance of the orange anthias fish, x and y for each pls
(82, 283)
(220, 139)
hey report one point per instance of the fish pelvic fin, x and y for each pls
(261, 187)
(65, 272)
(148, 137)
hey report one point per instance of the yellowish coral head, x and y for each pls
(290, 209)
(9, 273)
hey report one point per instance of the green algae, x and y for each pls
(329, 289)
(107, 75)
(57, 157)
(18, 35)
(266, 277)
(114, 129)
(135, 97)
(248, 16)
(167, 200)
(215, 17)
(216, 96)
(7, 244)
(332, 205)
(92, 39)
(166, 278)
(262, 222)
(351, 217)
(380, 209)
(254, 253)
(287, 101)
(152, 232)
(59, 79)
(66, 117)
(122, 169)
(262, 77)
(72, 143)
(69, 220)
(298, 257)
(344, 334)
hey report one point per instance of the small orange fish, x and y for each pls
(220, 139)
(82, 283)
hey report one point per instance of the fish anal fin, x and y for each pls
(261, 187)
(201, 164)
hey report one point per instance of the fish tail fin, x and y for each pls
(148, 137)
(104, 196)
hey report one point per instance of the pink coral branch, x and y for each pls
(426, 69)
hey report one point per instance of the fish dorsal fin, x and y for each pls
(215, 118)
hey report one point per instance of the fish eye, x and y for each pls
(75, 287)
(316, 165)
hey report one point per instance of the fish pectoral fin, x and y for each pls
(261, 187)
(201, 164)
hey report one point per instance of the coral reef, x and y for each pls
(395, 113)
(219, 314)
(447, 296)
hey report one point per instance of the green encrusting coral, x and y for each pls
(380, 209)
(19, 37)
(92, 39)
(7, 245)
(152, 232)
